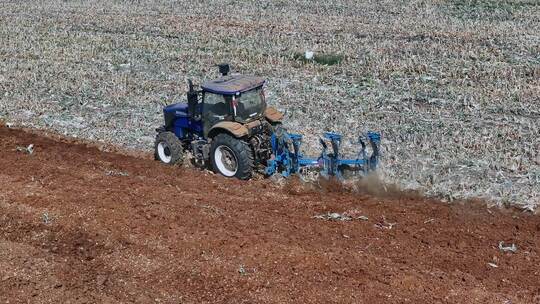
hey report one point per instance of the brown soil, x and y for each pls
(79, 225)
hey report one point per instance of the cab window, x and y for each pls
(216, 108)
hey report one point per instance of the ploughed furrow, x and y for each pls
(81, 225)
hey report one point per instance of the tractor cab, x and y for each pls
(234, 98)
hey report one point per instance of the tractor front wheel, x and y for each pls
(168, 148)
(231, 157)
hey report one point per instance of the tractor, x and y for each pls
(228, 127)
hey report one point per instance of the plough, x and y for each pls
(287, 158)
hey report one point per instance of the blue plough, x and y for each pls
(289, 160)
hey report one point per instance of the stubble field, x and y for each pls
(453, 85)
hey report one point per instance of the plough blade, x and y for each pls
(287, 158)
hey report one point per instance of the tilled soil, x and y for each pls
(79, 225)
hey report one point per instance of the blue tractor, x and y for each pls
(227, 126)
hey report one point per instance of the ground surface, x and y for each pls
(452, 85)
(79, 225)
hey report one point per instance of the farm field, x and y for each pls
(452, 85)
(80, 225)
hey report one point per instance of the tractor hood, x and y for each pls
(232, 85)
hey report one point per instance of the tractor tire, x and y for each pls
(231, 157)
(168, 149)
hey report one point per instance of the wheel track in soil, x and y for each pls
(179, 235)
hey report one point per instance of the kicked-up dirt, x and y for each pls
(79, 225)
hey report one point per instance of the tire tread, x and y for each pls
(245, 156)
(174, 144)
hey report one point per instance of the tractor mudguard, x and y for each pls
(273, 115)
(236, 129)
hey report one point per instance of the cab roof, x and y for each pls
(233, 84)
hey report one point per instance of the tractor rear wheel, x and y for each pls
(168, 148)
(231, 157)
